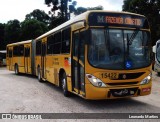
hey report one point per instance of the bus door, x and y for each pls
(78, 84)
(10, 56)
(27, 60)
(43, 58)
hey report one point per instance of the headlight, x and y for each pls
(146, 79)
(95, 81)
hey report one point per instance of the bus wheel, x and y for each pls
(16, 69)
(64, 86)
(39, 75)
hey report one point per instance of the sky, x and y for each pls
(17, 9)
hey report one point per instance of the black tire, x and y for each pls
(39, 75)
(158, 73)
(16, 70)
(64, 85)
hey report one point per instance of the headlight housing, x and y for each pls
(146, 80)
(95, 81)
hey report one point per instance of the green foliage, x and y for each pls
(63, 10)
(12, 31)
(149, 8)
(2, 42)
(81, 10)
(38, 15)
(95, 8)
(31, 29)
(35, 24)
(60, 5)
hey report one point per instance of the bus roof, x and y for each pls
(18, 43)
(81, 17)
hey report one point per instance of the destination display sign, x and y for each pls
(117, 19)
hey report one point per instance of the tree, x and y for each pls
(12, 31)
(31, 29)
(149, 8)
(60, 10)
(81, 10)
(58, 5)
(2, 42)
(38, 15)
(95, 8)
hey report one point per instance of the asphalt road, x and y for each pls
(24, 94)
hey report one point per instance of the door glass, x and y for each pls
(78, 61)
(81, 58)
(75, 62)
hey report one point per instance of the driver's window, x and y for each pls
(97, 47)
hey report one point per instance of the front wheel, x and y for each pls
(64, 86)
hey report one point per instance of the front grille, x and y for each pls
(123, 83)
(126, 76)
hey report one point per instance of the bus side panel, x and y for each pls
(50, 69)
(56, 64)
(20, 62)
(65, 62)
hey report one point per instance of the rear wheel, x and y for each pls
(64, 86)
(16, 69)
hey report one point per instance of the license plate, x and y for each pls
(109, 75)
(123, 92)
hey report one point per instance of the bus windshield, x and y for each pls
(119, 49)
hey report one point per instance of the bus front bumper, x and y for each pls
(95, 93)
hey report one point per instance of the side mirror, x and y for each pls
(154, 49)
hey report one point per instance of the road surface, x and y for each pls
(24, 94)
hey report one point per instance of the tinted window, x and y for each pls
(10, 53)
(57, 43)
(66, 40)
(50, 42)
(18, 50)
(38, 48)
(119, 49)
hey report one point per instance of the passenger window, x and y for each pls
(66, 40)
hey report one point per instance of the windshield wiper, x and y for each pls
(134, 34)
(130, 40)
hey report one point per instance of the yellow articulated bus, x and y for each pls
(97, 55)
(19, 57)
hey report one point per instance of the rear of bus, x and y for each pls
(118, 58)
(18, 57)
